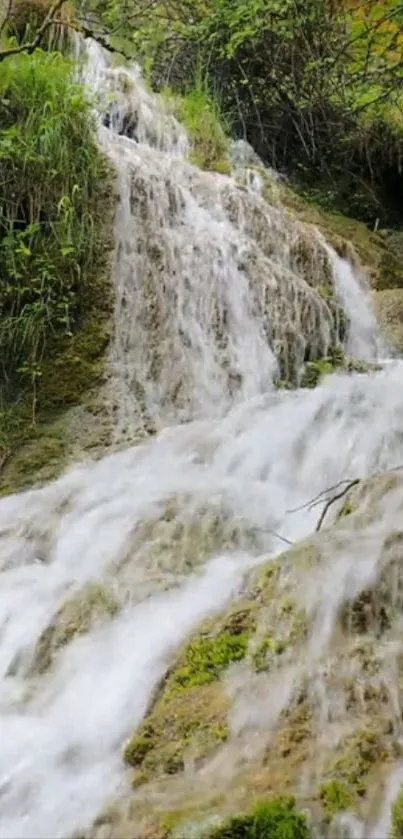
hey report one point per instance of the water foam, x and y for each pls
(207, 276)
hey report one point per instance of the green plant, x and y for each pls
(335, 795)
(200, 112)
(276, 818)
(206, 657)
(397, 817)
(314, 86)
(52, 178)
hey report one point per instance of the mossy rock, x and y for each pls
(336, 362)
(183, 725)
(374, 609)
(335, 796)
(356, 756)
(35, 437)
(93, 604)
(190, 711)
(379, 252)
(389, 309)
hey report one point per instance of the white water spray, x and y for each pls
(212, 292)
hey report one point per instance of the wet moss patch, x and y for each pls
(206, 658)
(93, 604)
(359, 753)
(183, 726)
(335, 796)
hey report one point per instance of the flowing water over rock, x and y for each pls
(106, 572)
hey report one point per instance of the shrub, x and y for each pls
(200, 113)
(276, 818)
(52, 180)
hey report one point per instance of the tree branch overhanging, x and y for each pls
(37, 40)
(51, 20)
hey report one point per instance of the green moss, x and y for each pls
(346, 510)
(206, 658)
(268, 649)
(396, 831)
(75, 617)
(360, 752)
(276, 818)
(337, 361)
(326, 291)
(335, 796)
(54, 341)
(189, 716)
(182, 723)
(314, 371)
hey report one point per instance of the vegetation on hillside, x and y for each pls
(276, 818)
(314, 86)
(54, 187)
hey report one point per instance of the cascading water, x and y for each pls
(216, 290)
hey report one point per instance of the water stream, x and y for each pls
(211, 296)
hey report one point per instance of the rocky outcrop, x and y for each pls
(389, 309)
(300, 679)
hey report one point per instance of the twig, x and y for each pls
(349, 483)
(335, 498)
(318, 498)
(349, 486)
(282, 538)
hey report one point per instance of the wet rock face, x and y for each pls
(187, 288)
(389, 308)
(275, 689)
(125, 125)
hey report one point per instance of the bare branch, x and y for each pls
(319, 498)
(333, 499)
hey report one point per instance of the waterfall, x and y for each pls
(217, 293)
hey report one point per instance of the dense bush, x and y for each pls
(314, 86)
(51, 181)
(276, 818)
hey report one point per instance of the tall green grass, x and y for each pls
(199, 110)
(51, 181)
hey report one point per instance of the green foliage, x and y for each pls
(335, 796)
(314, 371)
(346, 510)
(265, 654)
(397, 817)
(200, 113)
(314, 86)
(52, 179)
(360, 753)
(276, 818)
(206, 657)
